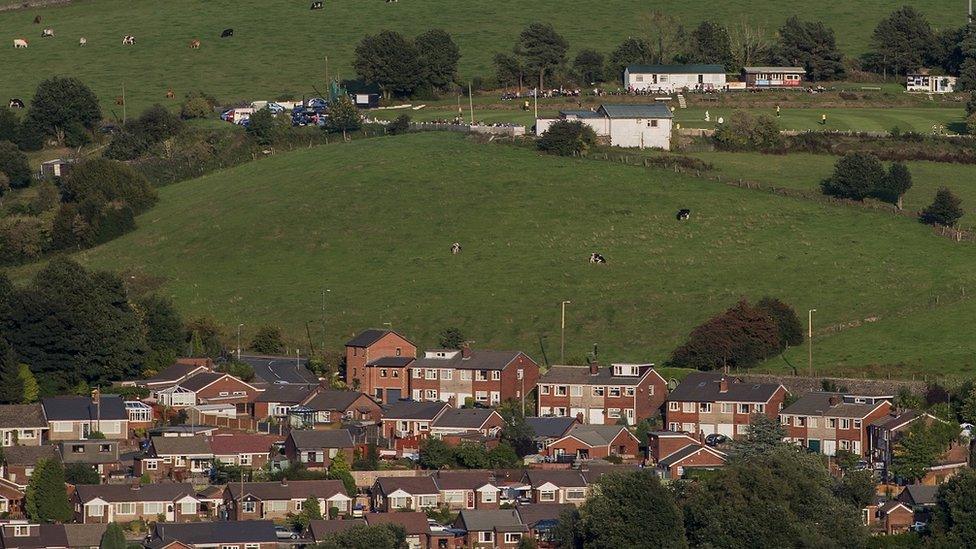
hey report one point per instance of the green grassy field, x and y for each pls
(282, 46)
(372, 222)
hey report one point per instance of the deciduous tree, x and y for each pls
(509, 70)
(439, 57)
(589, 66)
(343, 116)
(267, 340)
(711, 43)
(954, 517)
(945, 210)
(894, 185)
(855, 177)
(632, 51)
(741, 337)
(542, 50)
(450, 338)
(390, 61)
(14, 164)
(60, 103)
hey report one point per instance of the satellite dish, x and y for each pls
(721, 120)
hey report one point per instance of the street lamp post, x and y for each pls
(562, 333)
(239, 326)
(810, 342)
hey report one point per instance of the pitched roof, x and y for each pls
(321, 529)
(896, 421)
(501, 520)
(596, 435)
(391, 361)
(564, 478)
(332, 400)
(181, 446)
(532, 514)
(891, 505)
(163, 491)
(222, 445)
(287, 393)
(289, 489)
(84, 535)
(464, 418)
(686, 452)
(410, 485)
(706, 387)
(29, 455)
(580, 375)
(753, 70)
(462, 480)
(91, 451)
(415, 523)
(411, 409)
(328, 438)
(477, 360)
(920, 494)
(280, 370)
(199, 381)
(19, 416)
(819, 404)
(676, 69)
(548, 427)
(369, 337)
(243, 531)
(173, 373)
(650, 110)
(580, 114)
(48, 535)
(81, 408)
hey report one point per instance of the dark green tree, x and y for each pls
(311, 510)
(764, 436)
(567, 138)
(790, 329)
(240, 370)
(517, 432)
(710, 43)
(855, 177)
(261, 126)
(742, 336)
(203, 336)
(509, 70)
(920, 447)
(902, 42)
(113, 538)
(542, 50)
(971, 104)
(9, 125)
(503, 456)
(954, 517)
(945, 210)
(894, 185)
(439, 57)
(31, 390)
(81, 473)
(47, 499)
(11, 384)
(435, 454)
(14, 164)
(101, 180)
(589, 66)
(343, 116)
(632, 51)
(450, 338)
(381, 536)
(163, 326)
(268, 341)
(61, 103)
(390, 61)
(747, 132)
(856, 488)
(810, 45)
(471, 455)
(400, 125)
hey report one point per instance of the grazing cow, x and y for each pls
(119, 100)
(128, 40)
(37, 20)
(20, 42)
(455, 248)
(316, 6)
(47, 33)
(170, 94)
(16, 103)
(683, 214)
(227, 33)
(194, 44)
(82, 41)
(597, 258)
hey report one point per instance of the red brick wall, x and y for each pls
(701, 459)
(228, 384)
(662, 447)
(357, 357)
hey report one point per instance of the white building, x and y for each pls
(642, 126)
(921, 81)
(671, 78)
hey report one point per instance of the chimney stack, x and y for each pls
(723, 385)
(284, 481)
(834, 400)
(465, 351)
(594, 368)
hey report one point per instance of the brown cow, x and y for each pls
(194, 44)
(119, 100)
(170, 94)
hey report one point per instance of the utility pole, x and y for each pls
(323, 319)
(562, 334)
(123, 103)
(471, 103)
(239, 326)
(810, 341)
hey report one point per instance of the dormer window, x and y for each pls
(628, 370)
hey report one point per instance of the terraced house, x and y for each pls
(104, 503)
(276, 500)
(466, 376)
(829, 422)
(706, 403)
(598, 395)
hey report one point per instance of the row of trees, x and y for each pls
(401, 66)
(63, 109)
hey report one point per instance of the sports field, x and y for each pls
(372, 222)
(282, 46)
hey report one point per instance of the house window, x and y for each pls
(398, 351)
(252, 546)
(613, 413)
(423, 426)
(382, 372)
(629, 391)
(845, 445)
(244, 459)
(547, 495)
(224, 393)
(845, 424)
(784, 420)
(513, 537)
(447, 375)
(615, 391)
(544, 389)
(760, 408)
(496, 375)
(832, 422)
(488, 497)
(61, 426)
(125, 508)
(482, 375)
(77, 448)
(151, 465)
(705, 407)
(481, 396)
(799, 421)
(575, 493)
(630, 415)
(417, 393)
(430, 373)
(726, 407)
(396, 374)
(21, 531)
(688, 407)
(105, 448)
(520, 373)
(561, 390)
(249, 506)
(674, 406)
(26, 433)
(639, 78)
(95, 510)
(188, 508)
(428, 501)
(599, 391)
(418, 373)
(652, 124)
(559, 411)
(431, 394)
(152, 508)
(857, 424)
(465, 375)
(673, 426)
(486, 537)
(743, 408)
(576, 390)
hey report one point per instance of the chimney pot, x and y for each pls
(465, 351)
(834, 400)
(594, 368)
(723, 385)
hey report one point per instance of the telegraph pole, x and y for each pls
(562, 334)
(810, 341)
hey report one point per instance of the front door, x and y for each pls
(8, 438)
(830, 447)
(814, 445)
(170, 512)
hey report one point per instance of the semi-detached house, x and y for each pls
(77, 417)
(826, 423)
(706, 403)
(384, 380)
(602, 395)
(465, 376)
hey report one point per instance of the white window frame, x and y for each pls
(543, 389)
(688, 407)
(705, 407)
(496, 375)
(613, 413)
(152, 508)
(513, 537)
(674, 406)
(599, 391)
(465, 375)
(125, 508)
(186, 509)
(250, 506)
(612, 390)
(486, 536)
(576, 494)
(95, 510)
(547, 495)
(629, 391)
(430, 374)
(447, 375)
(418, 373)
(576, 390)
(743, 407)
(62, 426)
(151, 465)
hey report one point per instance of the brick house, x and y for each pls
(317, 449)
(491, 528)
(599, 395)
(276, 500)
(556, 486)
(414, 524)
(177, 458)
(21, 534)
(540, 519)
(243, 450)
(100, 455)
(255, 534)
(693, 456)
(461, 377)
(22, 424)
(407, 423)
(220, 388)
(549, 429)
(393, 493)
(12, 499)
(327, 406)
(19, 462)
(895, 517)
(595, 442)
(467, 489)
(277, 400)
(467, 422)
(884, 432)
(386, 381)
(706, 403)
(104, 503)
(172, 375)
(76, 417)
(826, 423)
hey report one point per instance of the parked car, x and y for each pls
(435, 526)
(282, 532)
(715, 439)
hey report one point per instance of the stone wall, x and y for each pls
(29, 4)
(800, 384)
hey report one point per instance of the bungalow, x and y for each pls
(693, 456)
(414, 524)
(277, 400)
(12, 499)
(77, 417)
(172, 375)
(386, 381)
(320, 531)
(773, 77)
(483, 422)
(623, 125)
(826, 423)
(317, 449)
(549, 429)
(394, 493)
(255, 534)
(674, 78)
(276, 500)
(707, 402)
(104, 503)
(600, 395)
(405, 423)
(220, 388)
(101, 455)
(21, 534)
(19, 462)
(176, 458)
(244, 450)
(326, 406)
(491, 528)
(595, 442)
(467, 489)
(22, 424)
(540, 519)
(923, 81)
(556, 486)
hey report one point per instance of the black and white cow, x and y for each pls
(683, 214)
(455, 248)
(128, 40)
(227, 33)
(16, 103)
(597, 258)
(316, 6)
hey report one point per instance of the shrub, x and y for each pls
(158, 123)
(850, 96)
(126, 145)
(855, 177)
(30, 137)
(744, 132)
(567, 138)
(21, 238)
(971, 124)
(103, 180)
(14, 164)
(945, 210)
(9, 125)
(400, 124)
(739, 337)
(196, 107)
(268, 341)
(261, 125)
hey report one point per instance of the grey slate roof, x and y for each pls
(47, 535)
(580, 375)
(550, 427)
(244, 531)
(581, 113)
(287, 393)
(290, 489)
(561, 478)
(332, 400)
(705, 387)
(752, 70)
(681, 454)
(411, 485)
(163, 491)
(322, 529)
(172, 374)
(280, 369)
(676, 69)
(462, 480)
(84, 535)
(414, 523)
(818, 404)
(22, 416)
(81, 408)
(463, 418)
(329, 438)
(28, 455)
(479, 360)
(596, 435)
(534, 513)
(919, 494)
(500, 520)
(368, 337)
(201, 380)
(411, 409)
(182, 446)
(651, 110)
